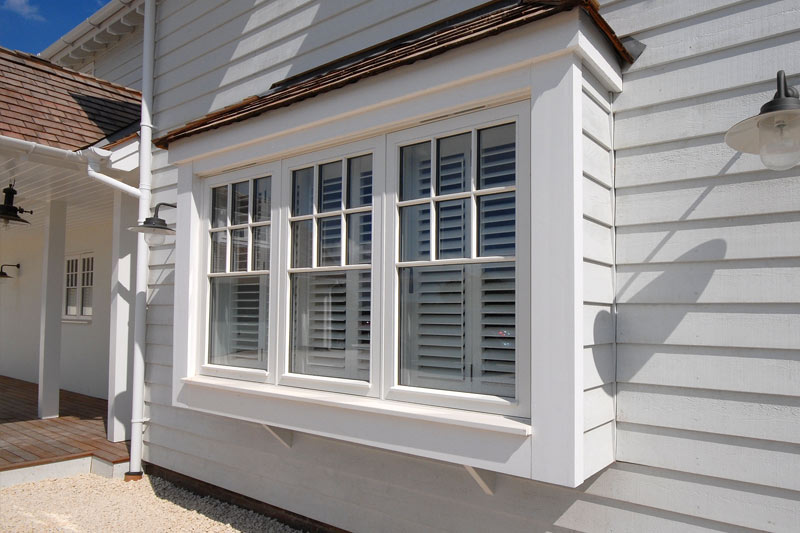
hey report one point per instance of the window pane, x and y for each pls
(261, 245)
(301, 243)
(329, 250)
(86, 301)
(415, 236)
(454, 163)
(331, 324)
(330, 187)
(359, 181)
(219, 206)
(496, 165)
(457, 328)
(71, 305)
(496, 224)
(359, 238)
(219, 241)
(415, 171)
(240, 202)
(239, 250)
(238, 321)
(302, 191)
(262, 199)
(454, 229)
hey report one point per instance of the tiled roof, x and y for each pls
(58, 107)
(422, 44)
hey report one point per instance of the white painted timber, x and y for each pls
(774, 464)
(597, 203)
(598, 365)
(596, 121)
(50, 313)
(598, 406)
(753, 370)
(732, 281)
(762, 236)
(757, 416)
(597, 242)
(597, 161)
(629, 16)
(598, 283)
(598, 448)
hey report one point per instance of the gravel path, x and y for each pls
(90, 503)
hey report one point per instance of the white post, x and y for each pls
(123, 259)
(52, 300)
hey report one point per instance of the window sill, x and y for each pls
(440, 415)
(76, 320)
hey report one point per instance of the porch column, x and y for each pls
(120, 351)
(52, 298)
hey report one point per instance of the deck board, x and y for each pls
(79, 431)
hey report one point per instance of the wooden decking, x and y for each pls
(79, 431)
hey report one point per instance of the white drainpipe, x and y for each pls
(142, 250)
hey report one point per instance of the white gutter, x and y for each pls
(142, 250)
(91, 157)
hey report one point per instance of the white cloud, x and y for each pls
(23, 9)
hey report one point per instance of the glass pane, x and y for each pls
(454, 163)
(219, 241)
(497, 156)
(262, 199)
(240, 202)
(330, 187)
(454, 229)
(331, 324)
(302, 191)
(496, 224)
(301, 243)
(71, 306)
(329, 247)
(359, 238)
(238, 321)
(239, 250)
(415, 233)
(219, 206)
(261, 245)
(86, 301)
(457, 328)
(415, 171)
(359, 181)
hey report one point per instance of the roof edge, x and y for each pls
(313, 82)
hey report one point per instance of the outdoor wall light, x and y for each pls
(9, 213)
(3, 274)
(155, 229)
(774, 133)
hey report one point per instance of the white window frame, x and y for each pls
(80, 275)
(375, 147)
(204, 301)
(519, 114)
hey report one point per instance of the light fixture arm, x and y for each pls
(785, 97)
(158, 206)
(3, 275)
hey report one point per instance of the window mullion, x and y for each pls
(434, 215)
(473, 220)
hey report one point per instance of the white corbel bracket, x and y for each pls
(284, 436)
(483, 478)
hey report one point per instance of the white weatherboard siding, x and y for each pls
(708, 273)
(707, 366)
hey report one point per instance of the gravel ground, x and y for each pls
(89, 503)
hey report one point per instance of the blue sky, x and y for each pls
(33, 25)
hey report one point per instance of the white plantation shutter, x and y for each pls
(494, 371)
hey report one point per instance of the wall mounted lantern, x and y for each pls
(9, 213)
(3, 274)
(155, 229)
(774, 133)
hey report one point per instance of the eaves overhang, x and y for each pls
(489, 20)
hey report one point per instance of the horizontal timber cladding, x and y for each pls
(707, 263)
(706, 277)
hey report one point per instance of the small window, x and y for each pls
(238, 273)
(78, 286)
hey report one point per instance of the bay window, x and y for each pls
(427, 314)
